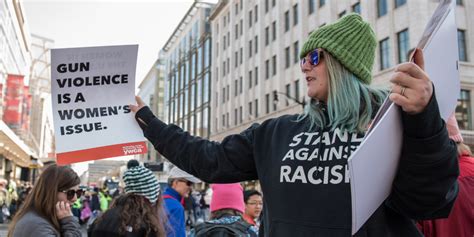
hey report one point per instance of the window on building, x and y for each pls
(256, 75)
(310, 7)
(463, 110)
(256, 108)
(250, 79)
(297, 89)
(274, 65)
(241, 85)
(227, 119)
(287, 57)
(266, 6)
(267, 103)
(462, 45)
(273, 3)
(250, 48)
(250, 107)
(295, 14)
(250, 18)
(296, 50)
(459, 2)
(240, 114)
(287, 21)
(236, 87)
(384, 54)
(381, 8)
(224, 44)
(235, 116)
(400, 3)
(356, 8)
(256, 13)
(288, 93)
(228, 92)
(241, 27)
(274, 30)
(236, 31)
(236, 8)
(223, 120)
(267, 35)
(403, 45)
(236, 59)
(274, 102)
(256, 44)
(224, 67)
(223, 95)
(342, 13)
(267, 69)
(322, 2)
(241, 55)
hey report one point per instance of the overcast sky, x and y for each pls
(82, 23)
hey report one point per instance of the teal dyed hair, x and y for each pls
(350, 104)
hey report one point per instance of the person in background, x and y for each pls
(302, 157)
(137, 213)
(46, 212)
(227, 208)
(179, 186)
(253, 207)
(460, 222)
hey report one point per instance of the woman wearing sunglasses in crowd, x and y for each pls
(47, 209)
(301, 160)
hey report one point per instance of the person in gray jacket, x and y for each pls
(47, 209)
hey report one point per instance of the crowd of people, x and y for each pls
(301, 195)
(12, 196)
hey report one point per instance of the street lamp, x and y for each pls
(275, 98)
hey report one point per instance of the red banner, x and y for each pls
(25, 120)
(13, 101)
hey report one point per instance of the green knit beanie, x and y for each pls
(350, 40)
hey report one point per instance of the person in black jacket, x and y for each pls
(301, 160)
(137, 213)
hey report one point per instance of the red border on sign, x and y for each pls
(98, 153)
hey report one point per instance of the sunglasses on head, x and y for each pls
(71, 192)
(313, 57)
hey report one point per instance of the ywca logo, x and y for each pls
(135, 149)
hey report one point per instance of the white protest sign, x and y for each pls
(374, 164)
(91, 90)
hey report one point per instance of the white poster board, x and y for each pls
(91, 91)
(374, 164)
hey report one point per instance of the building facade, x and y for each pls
(187, 72)
(15, 61)
(40, 137)
(256, 43)
(147, 93)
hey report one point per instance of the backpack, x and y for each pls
(237, 229)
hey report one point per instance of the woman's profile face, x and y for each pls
(62, 195)
(316, 78)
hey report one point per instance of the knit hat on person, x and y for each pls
(227, 196)
(141, 181)
(351, 41)
(453, 129)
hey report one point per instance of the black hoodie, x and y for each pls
(307, 192)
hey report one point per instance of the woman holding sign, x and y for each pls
(47, 209)
(301, 160)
